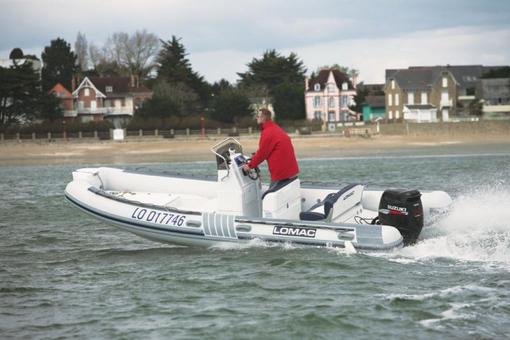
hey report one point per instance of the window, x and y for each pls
(93, 105)
(344, 86)
(396, 99)
(424, 98)
(390, 99)
(316, 101)
(410, 98)
(343, 101)
(331, 88)
(397, 114)
(445, 97)
(109, 88)
(331, 102)
(392, 84)
(390, 114)
(86, 93)
(317, 87)
(445, 82)
(317, 115)
(331, 116)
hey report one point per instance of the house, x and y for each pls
(494, 94)
(373, 108)
(112, 98)
(412, 94)
(329, 95)
(65, 97)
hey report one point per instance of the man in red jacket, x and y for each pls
(276, 147)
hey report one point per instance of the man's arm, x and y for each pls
(263, 151)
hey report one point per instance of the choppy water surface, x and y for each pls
(63, 274)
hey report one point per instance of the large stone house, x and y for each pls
(420, 94)
(431, 93)
(98, 98)
(329, 95)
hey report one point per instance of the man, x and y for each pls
(276, 147)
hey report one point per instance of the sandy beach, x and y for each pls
(173, 150)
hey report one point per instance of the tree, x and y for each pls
(272, 70)
(19, 94)
(220, 86)
(16, 53)
(125, 55)
(133, 54)
(279, 77)
(175, 68)
(289, 101)
(49, 108)
(59, 65)
(229, 106)
(81, 50)
(101, 65)
(359, 98)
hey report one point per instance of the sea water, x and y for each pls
(66, 275)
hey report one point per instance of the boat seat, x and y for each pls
(329, 203)
(278, 186)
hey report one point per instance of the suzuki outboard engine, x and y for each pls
(403, 210)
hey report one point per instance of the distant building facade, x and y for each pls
(431, 93)
(412, 94)
(494, 94)
(99, 98)
(329, 95)
(373, 109)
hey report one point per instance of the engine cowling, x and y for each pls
(403, 210)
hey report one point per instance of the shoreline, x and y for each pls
(196, 149)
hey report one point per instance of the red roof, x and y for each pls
(61, 91)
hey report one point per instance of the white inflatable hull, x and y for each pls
(186, 211)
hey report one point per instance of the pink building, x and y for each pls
(329, 95)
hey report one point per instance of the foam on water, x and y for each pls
(476, 228)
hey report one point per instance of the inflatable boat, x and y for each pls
(236, 207)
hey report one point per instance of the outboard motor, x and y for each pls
(403, 210)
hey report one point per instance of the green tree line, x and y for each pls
(161, 65)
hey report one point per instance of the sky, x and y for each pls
(223, 36)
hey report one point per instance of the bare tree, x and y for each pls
(80, 49)
(134, 54)
(143, 48)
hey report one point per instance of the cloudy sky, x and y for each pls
(222, 36)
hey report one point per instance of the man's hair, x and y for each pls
(266, 113)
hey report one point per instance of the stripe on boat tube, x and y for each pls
(219, 225)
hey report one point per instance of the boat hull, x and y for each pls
(194, 228)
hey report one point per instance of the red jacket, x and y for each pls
(275, 147)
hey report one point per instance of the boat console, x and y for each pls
(241, 193)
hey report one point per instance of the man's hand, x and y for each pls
(246, 168)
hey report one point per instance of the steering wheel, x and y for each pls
(254, 173)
